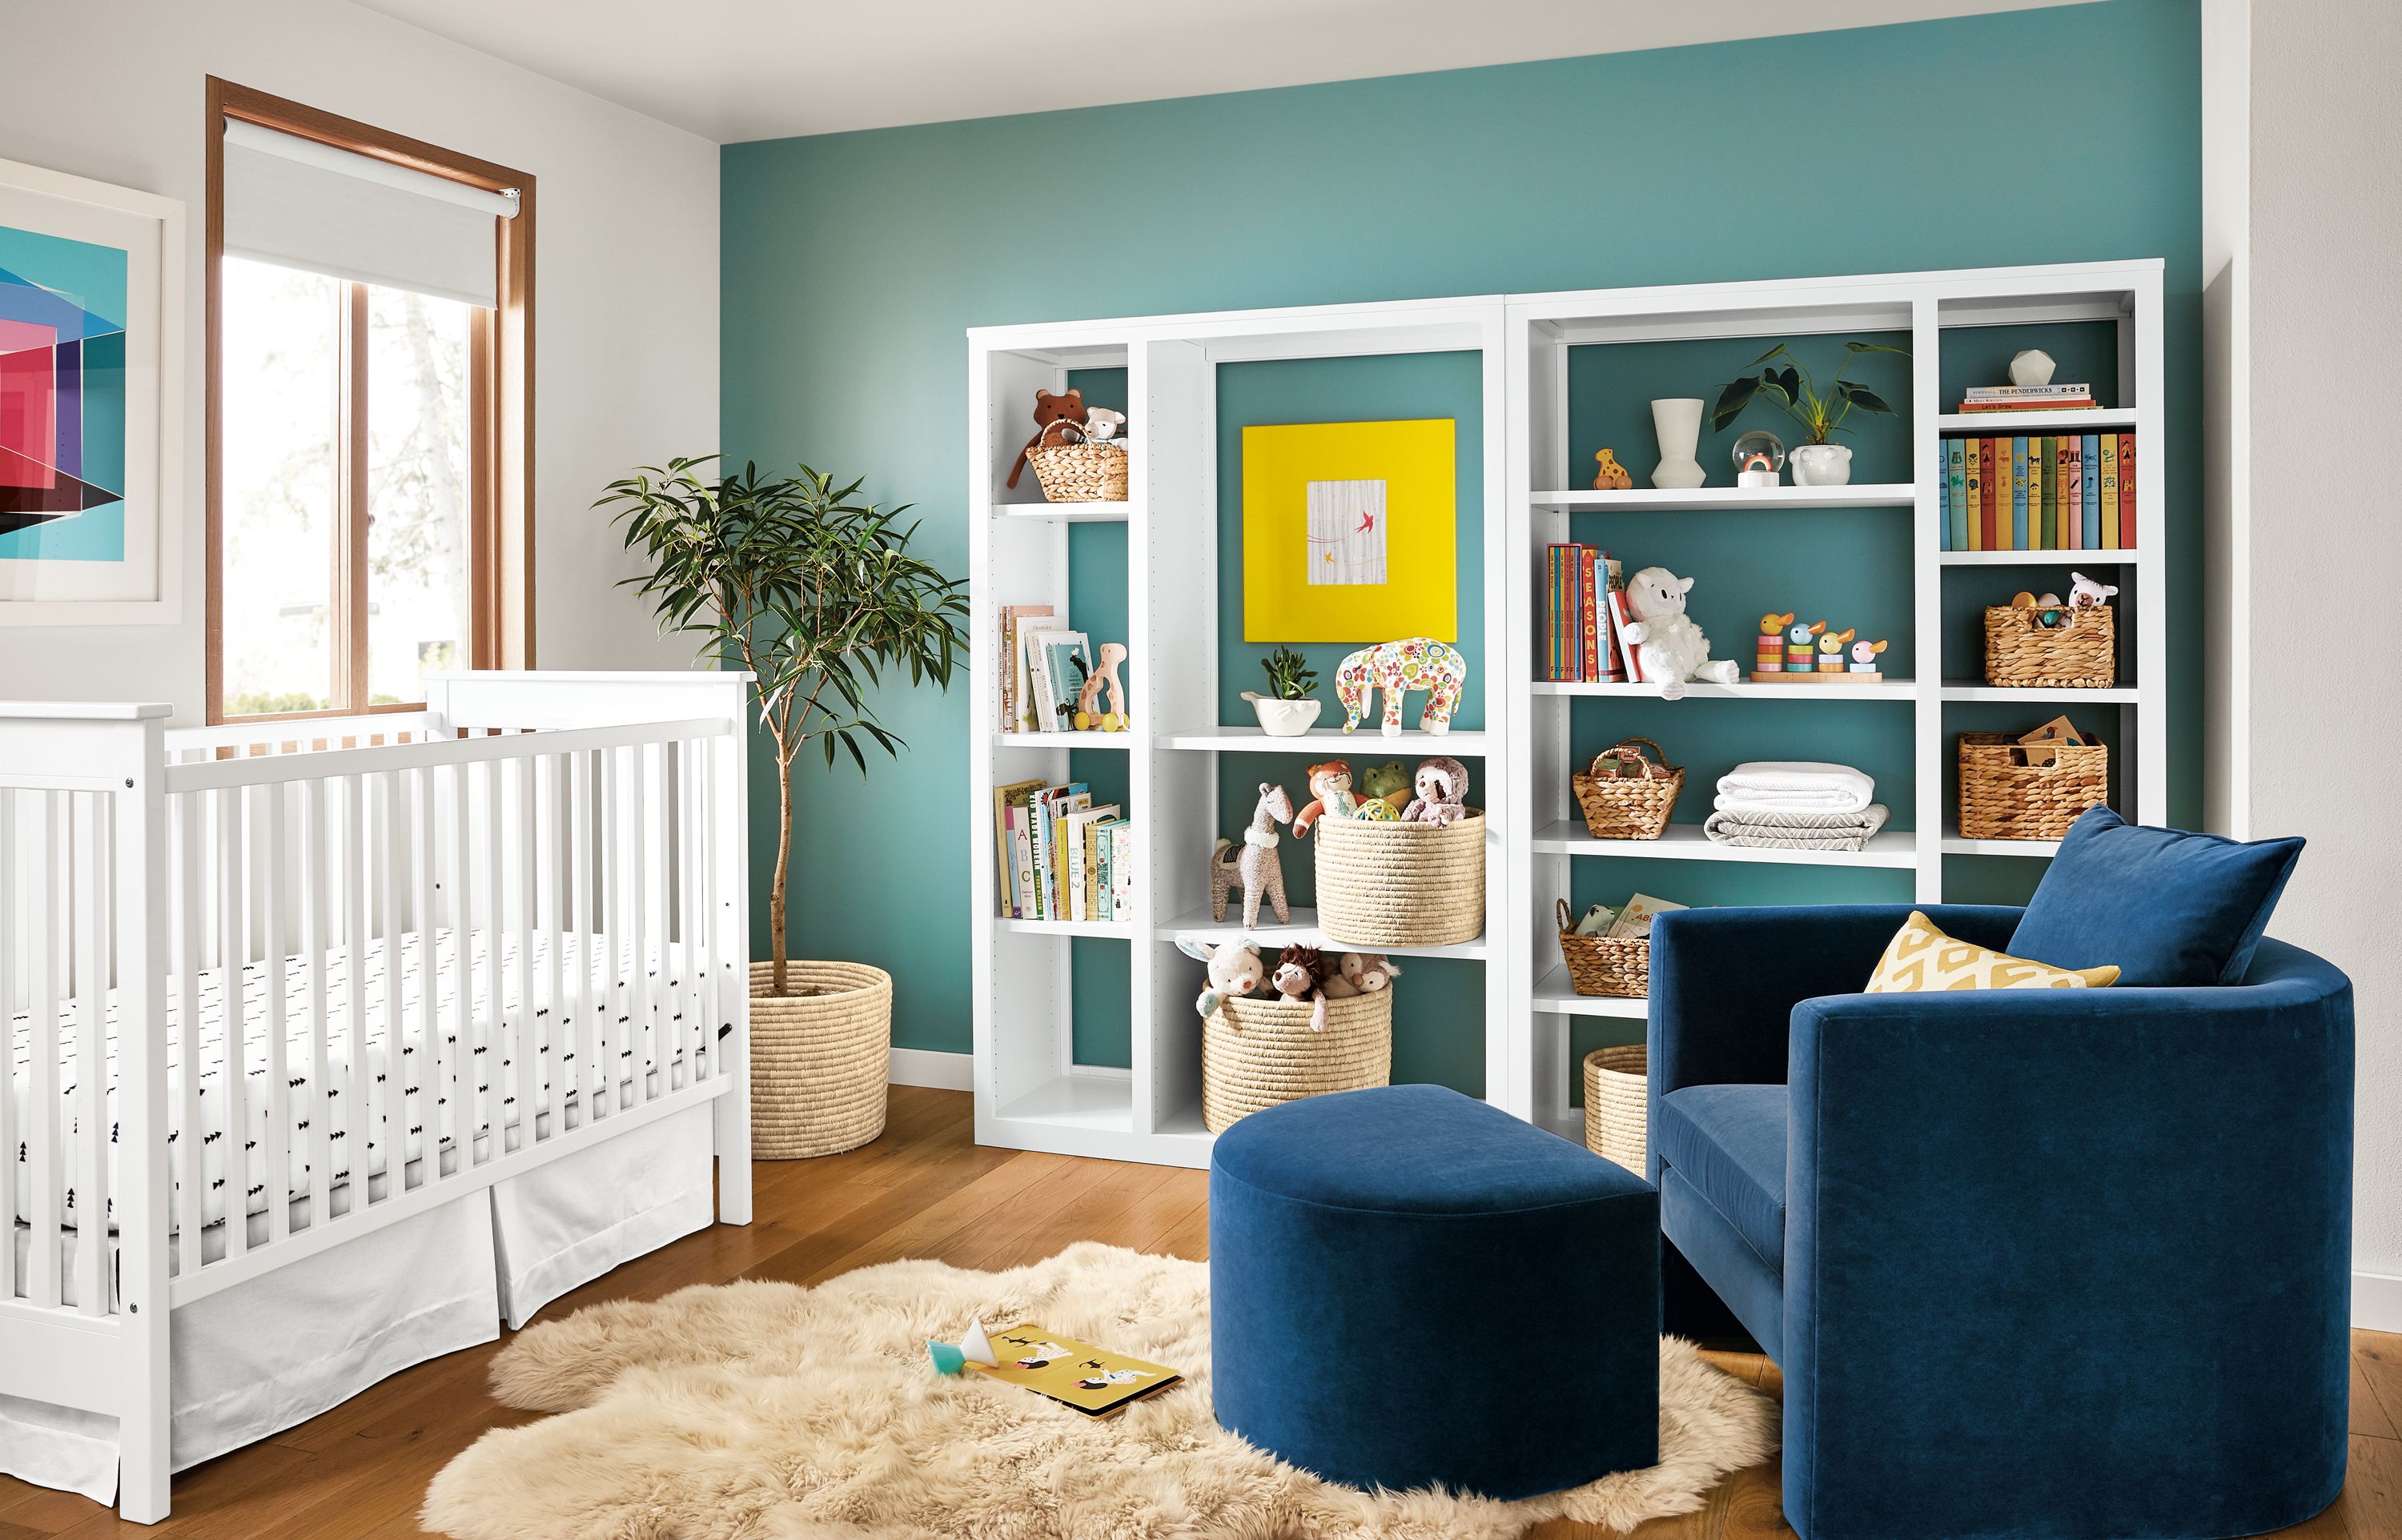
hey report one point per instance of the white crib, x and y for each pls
(296, 989)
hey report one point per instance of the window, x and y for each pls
(369, 307)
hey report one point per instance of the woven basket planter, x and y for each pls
(1257, 1053)
(1399, 884)
(1080, 472)
(2082, 654)
(1617, 1101)
(1620, 966)
(1623, 807)
(2002, 797)
(819, 1062)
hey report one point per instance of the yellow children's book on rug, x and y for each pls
(1094, 1381)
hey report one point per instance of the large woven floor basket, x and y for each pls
(819, 1062)
(2002, 797)
(1080, 472)
(1617, 1091)
(2082, 653)
(1257, 1053)
(1401, 884)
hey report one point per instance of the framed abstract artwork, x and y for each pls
(1351, 532)
(92, 398)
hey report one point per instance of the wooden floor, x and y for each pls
(923, 1189)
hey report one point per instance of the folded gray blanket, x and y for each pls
(1798, 831)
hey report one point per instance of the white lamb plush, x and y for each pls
(1668, 645)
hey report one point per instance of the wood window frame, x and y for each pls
(500, 411)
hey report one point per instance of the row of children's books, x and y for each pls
(1044, 669)
(1586, 617)
(2039, 493)
(1059, 856)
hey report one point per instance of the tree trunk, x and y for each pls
(776, 909)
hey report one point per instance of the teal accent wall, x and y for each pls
(853, 263)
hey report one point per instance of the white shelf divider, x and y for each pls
(1986, 424)
(1884, 689)
(1462, 744)
(1302, 930)
(1556, 996)
(1672, 500)
(2038, 559)
(1686, 841)
(1969, 689)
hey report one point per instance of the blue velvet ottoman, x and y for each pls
(1409, 1288)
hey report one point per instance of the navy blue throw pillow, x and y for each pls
(2170, 908)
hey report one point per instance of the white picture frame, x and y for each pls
(144, 586)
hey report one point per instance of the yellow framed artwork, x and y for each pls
(1351, 532)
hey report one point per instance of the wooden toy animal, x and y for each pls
(1301, 975)
(1114, 718)
(1830, 650)
(1329, 796)
(1611, 477)
(1235, 970)
(1772, 622)
(1670, 648)
(1048, 409)
(1442, 792)
(1864, 656)
(1397, 667)
(1255, 863)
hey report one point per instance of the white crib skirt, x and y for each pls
(269, 1353)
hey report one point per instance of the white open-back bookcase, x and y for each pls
(1031, 1093)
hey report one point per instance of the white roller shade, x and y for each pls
(297, 203)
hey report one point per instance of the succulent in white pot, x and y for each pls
(1288, 710)
(1817, 461)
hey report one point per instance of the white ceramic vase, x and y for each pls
(1678, 422)
(1820, 465)
(1282, 719)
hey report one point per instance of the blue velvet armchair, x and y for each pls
(2046, 1263)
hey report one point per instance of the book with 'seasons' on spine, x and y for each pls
(1078, 1375)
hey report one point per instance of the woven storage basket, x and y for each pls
(2082, 654)
(1621, 807)
(1257, 1053)
(1617, 1099)
(819, 1062)
(2002, 797)
(1399, 884)
(1080, 472)
(1599, 965)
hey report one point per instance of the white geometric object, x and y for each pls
(2033, 367)
(976, 1347)
(1677, 422)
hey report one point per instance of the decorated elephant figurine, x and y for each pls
(1397, 667)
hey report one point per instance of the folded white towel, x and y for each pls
(1794, 786)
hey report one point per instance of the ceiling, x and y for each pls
(732, 70)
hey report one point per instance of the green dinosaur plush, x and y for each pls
(1385, 779)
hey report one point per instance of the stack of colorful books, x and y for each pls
(1059, 856)
(1586, 612)
(2039, 493)
(2026, 398)
(1045, 666)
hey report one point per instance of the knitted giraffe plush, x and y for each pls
(1254, 863)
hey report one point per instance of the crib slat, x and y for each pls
(548, 1022)
(42, 1123)
(358, 1082)
(461, 1069)
(91, 857)
(393, 1096)
(519, 1031)
(318, 1107)
(277, 1153)
(610, 1000)
(704, 796)
(582, 1012)
(643, 1038)
(192, 1157)
(433, 1055)
(233, 1080)
(492, 1081)
(688, 912)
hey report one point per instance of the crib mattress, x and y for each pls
(546, 1043)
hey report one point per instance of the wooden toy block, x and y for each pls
(1814, 676)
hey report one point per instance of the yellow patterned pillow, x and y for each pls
(1922, 958)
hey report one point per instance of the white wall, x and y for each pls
(2308, 724)
(624, 325)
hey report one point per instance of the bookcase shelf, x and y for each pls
(1302, 931)
(1032, 1092)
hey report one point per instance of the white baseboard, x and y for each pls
(930, 1067)
(2376, 1302)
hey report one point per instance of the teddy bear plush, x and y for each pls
(1442, 792)
(1301, 975)
(1669, 647)
(1356, 973)
(1234, 970)
(1049, 410)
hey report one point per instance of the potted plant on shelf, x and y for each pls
(815, 593)
(1288, 709)
(1817, 462)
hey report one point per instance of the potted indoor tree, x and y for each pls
(1817, 462)
(1288, 709)
(816, 593)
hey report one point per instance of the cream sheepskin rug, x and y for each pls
(759, 1410)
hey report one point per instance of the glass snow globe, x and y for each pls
(1758, 455)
